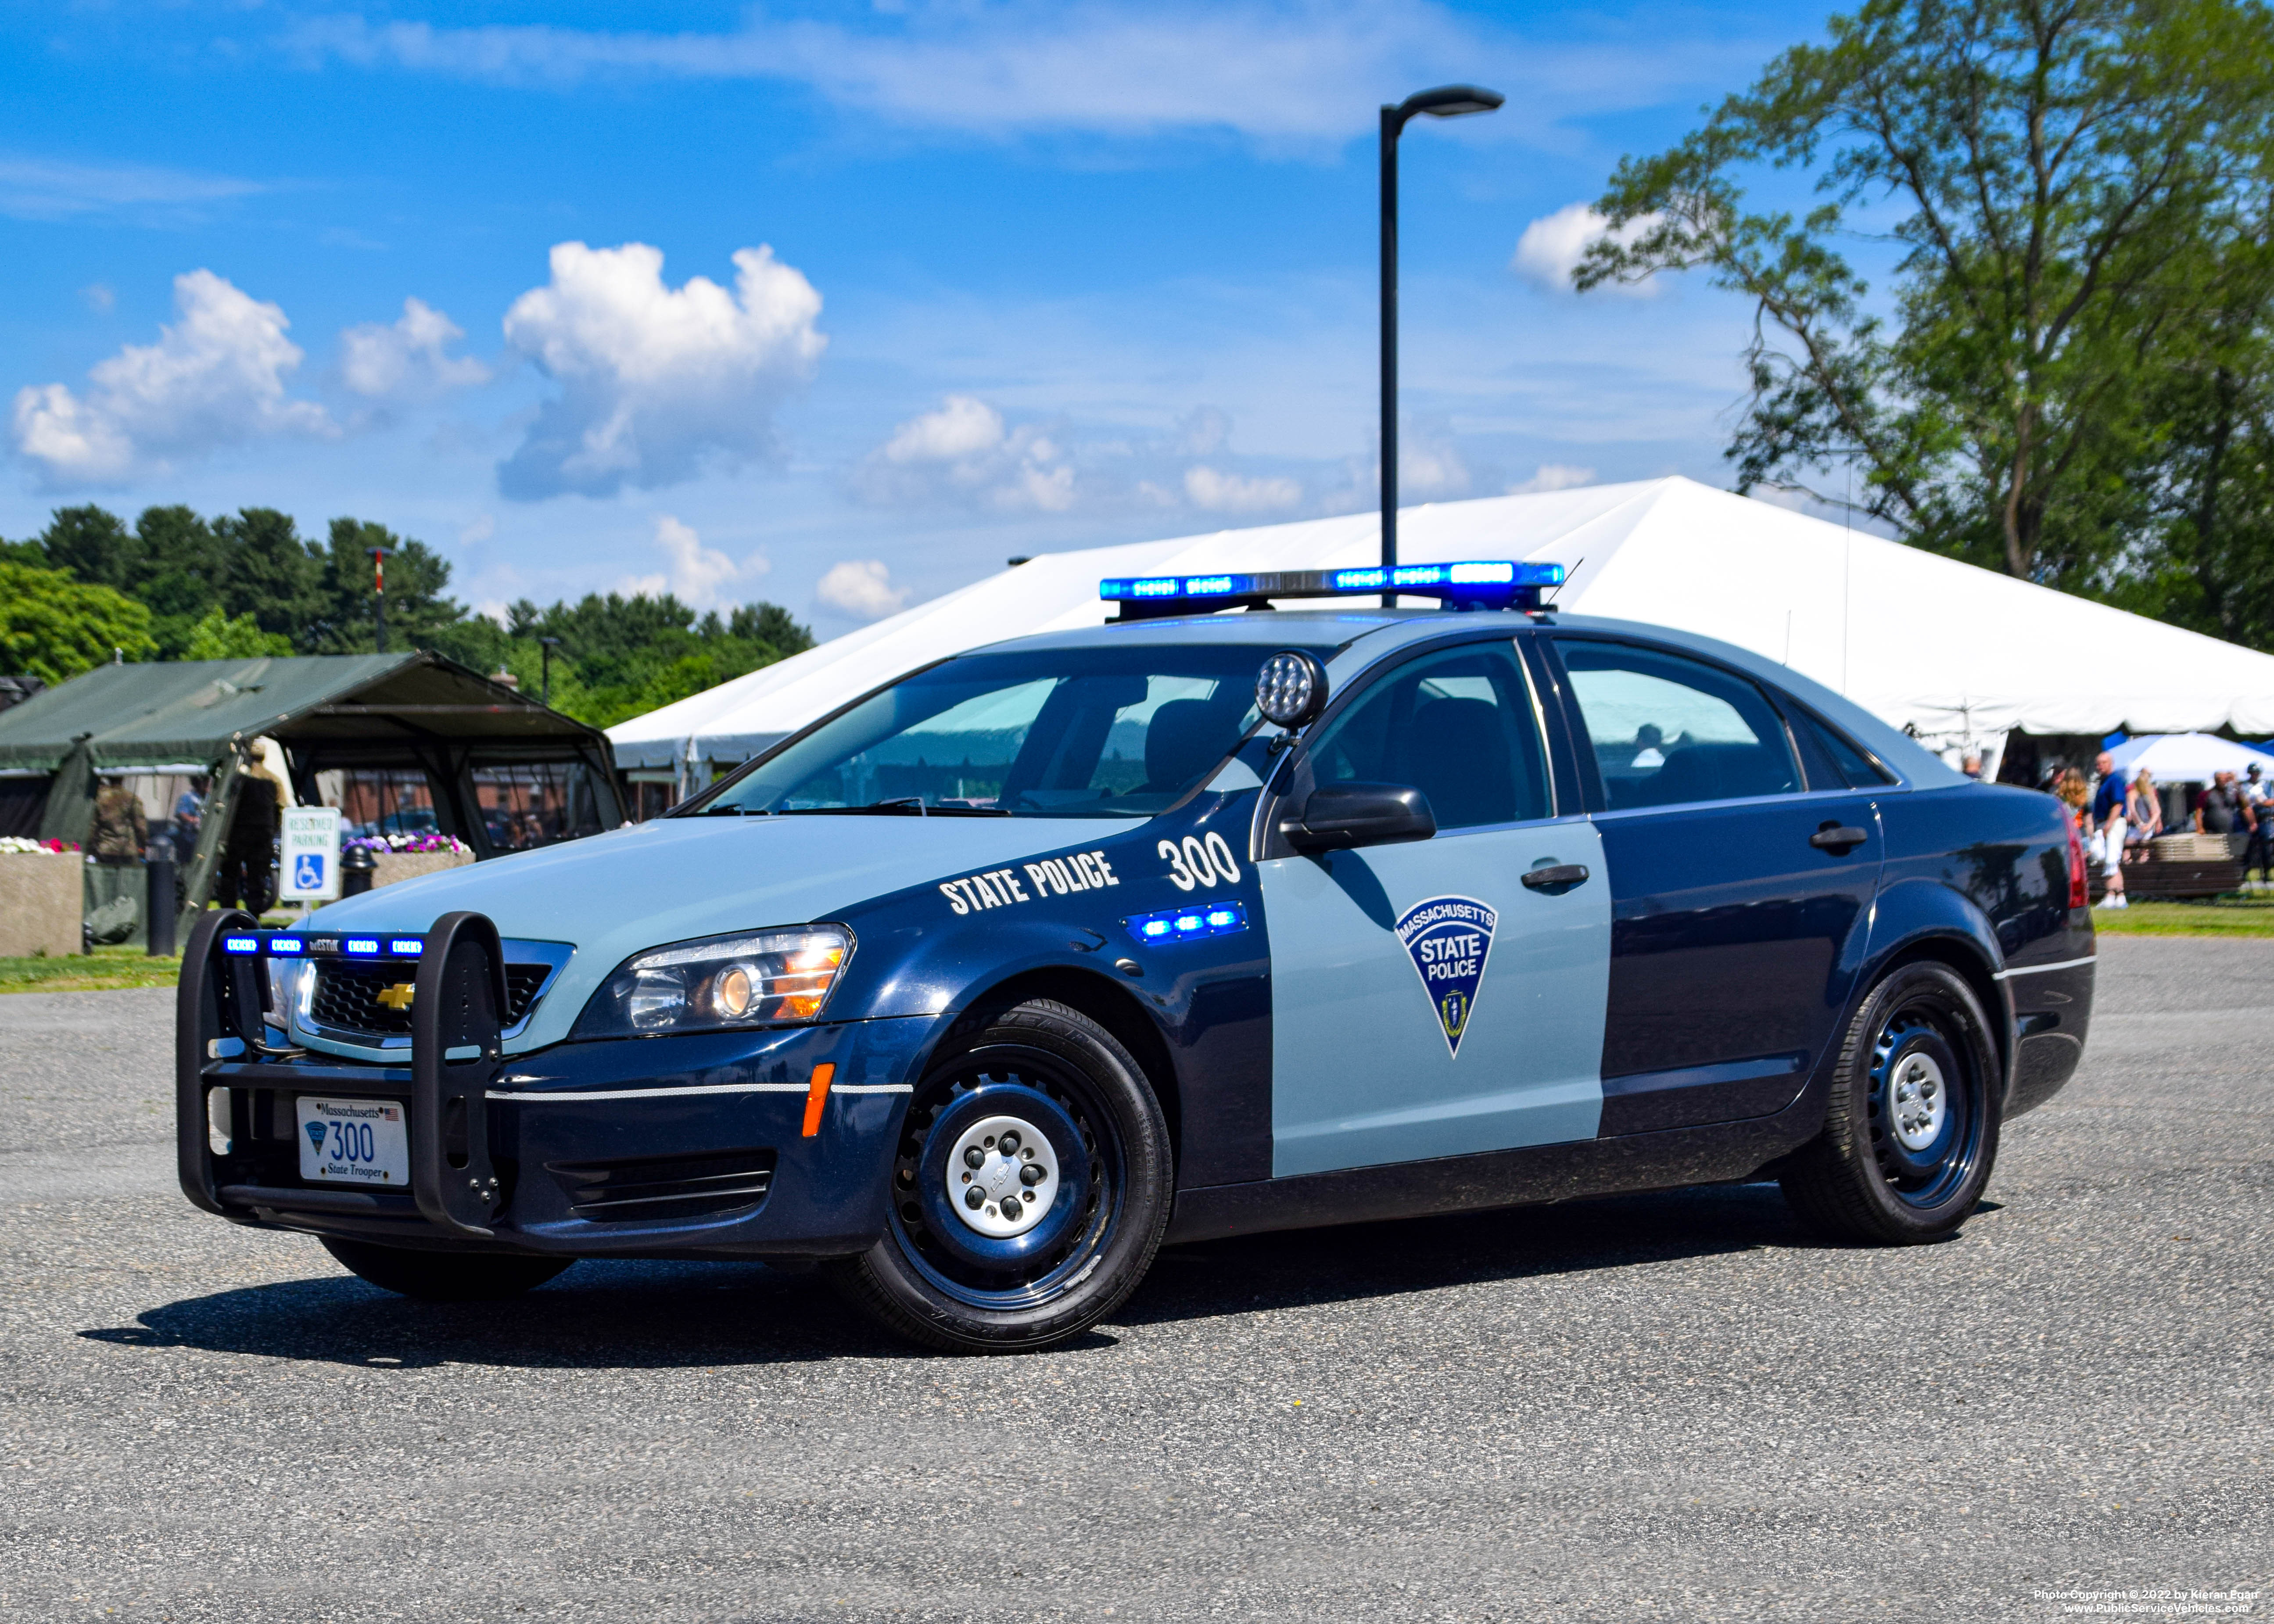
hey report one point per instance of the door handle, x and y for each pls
(1838, 838)
(1560, 878)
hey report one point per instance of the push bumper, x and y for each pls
(716, 1143)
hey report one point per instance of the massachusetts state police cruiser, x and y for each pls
(981, 990)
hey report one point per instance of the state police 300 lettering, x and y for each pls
(1052, 875)
(1449, 939)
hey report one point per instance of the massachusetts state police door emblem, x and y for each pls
(1449, 939)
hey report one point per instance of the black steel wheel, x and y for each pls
(446, 1276)
(1030, 1190)
(1910, 1130)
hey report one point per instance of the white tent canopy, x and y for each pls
(1957, 654)
(2188, 758)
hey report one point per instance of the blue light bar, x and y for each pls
(286, 946)
(362, 947)
(406, 947)
(240, 944)
(1476, 583)
(1213, 919)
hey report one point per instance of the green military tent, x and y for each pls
(401, 743)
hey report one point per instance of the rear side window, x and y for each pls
(1666, 730)
(1828, 746)
(1457, 725)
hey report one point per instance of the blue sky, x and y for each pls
(835, 306)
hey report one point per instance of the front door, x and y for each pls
(1740, 892)
(1427, 1002)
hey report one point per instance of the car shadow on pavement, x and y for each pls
(674, 1315)
(598, 1315)
(1305, 1267)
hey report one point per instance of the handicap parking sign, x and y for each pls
(312, 855)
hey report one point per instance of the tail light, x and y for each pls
(2079, 894)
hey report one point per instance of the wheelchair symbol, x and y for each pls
(308, 871)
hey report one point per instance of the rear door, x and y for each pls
(1740, 895)
(1427, 1002)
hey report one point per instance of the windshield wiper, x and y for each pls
(905, 806)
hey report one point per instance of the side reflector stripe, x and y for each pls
(816, 1095)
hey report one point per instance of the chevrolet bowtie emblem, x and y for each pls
(397, 997)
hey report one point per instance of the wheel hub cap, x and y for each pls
(1002, 1177)
(1916, 1102)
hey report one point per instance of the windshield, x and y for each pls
(1058, 732)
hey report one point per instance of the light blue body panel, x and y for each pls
(1362, 1070)
(678, 878)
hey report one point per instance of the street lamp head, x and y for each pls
(1450, 101)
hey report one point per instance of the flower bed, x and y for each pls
(40, 901)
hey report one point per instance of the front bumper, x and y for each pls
(639, 1147)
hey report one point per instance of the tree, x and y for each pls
(418, 615)
(94, 546)
(2063, 180)
(54, 628)
(180, 564)
(270, 573)
(219, 637)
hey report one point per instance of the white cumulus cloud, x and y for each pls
(861, 588)
(963, 452)
(1553, 476)
(1552, 245)
(657, 383)
(695, 575)
(216, 378)
(962, 428)
(407, 360)
(1212, 492)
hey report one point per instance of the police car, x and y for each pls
(1214, 919)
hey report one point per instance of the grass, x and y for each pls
(2218, 916)
(107, 969)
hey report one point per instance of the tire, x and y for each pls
(1038, 1110)
(1910, 1130)
(446, 1276)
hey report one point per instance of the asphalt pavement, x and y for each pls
(1670, 1406)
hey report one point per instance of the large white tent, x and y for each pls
(1957, 654)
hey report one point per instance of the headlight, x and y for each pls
(754, 979)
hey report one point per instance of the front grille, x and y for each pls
(346, 996)
(666, 1186)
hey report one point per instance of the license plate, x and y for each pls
(354, 1142)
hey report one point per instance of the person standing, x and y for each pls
(2260, 853)
(189, 816)
(2108, 822)
(248, 860)
(2223, 811)
(121, 832)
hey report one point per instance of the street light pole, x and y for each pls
(546, 645)
(379, 592)
(1445, 101)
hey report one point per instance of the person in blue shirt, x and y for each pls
(2108, 825)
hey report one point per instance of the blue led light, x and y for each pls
(406, 948)
(1470, 584)
(240, 944)
(361, 946)
(287, 945)
(1189, 924)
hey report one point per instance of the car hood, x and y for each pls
(612, 895)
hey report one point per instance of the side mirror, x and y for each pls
(1343, 815)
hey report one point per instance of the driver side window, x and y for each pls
(1457, 725)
